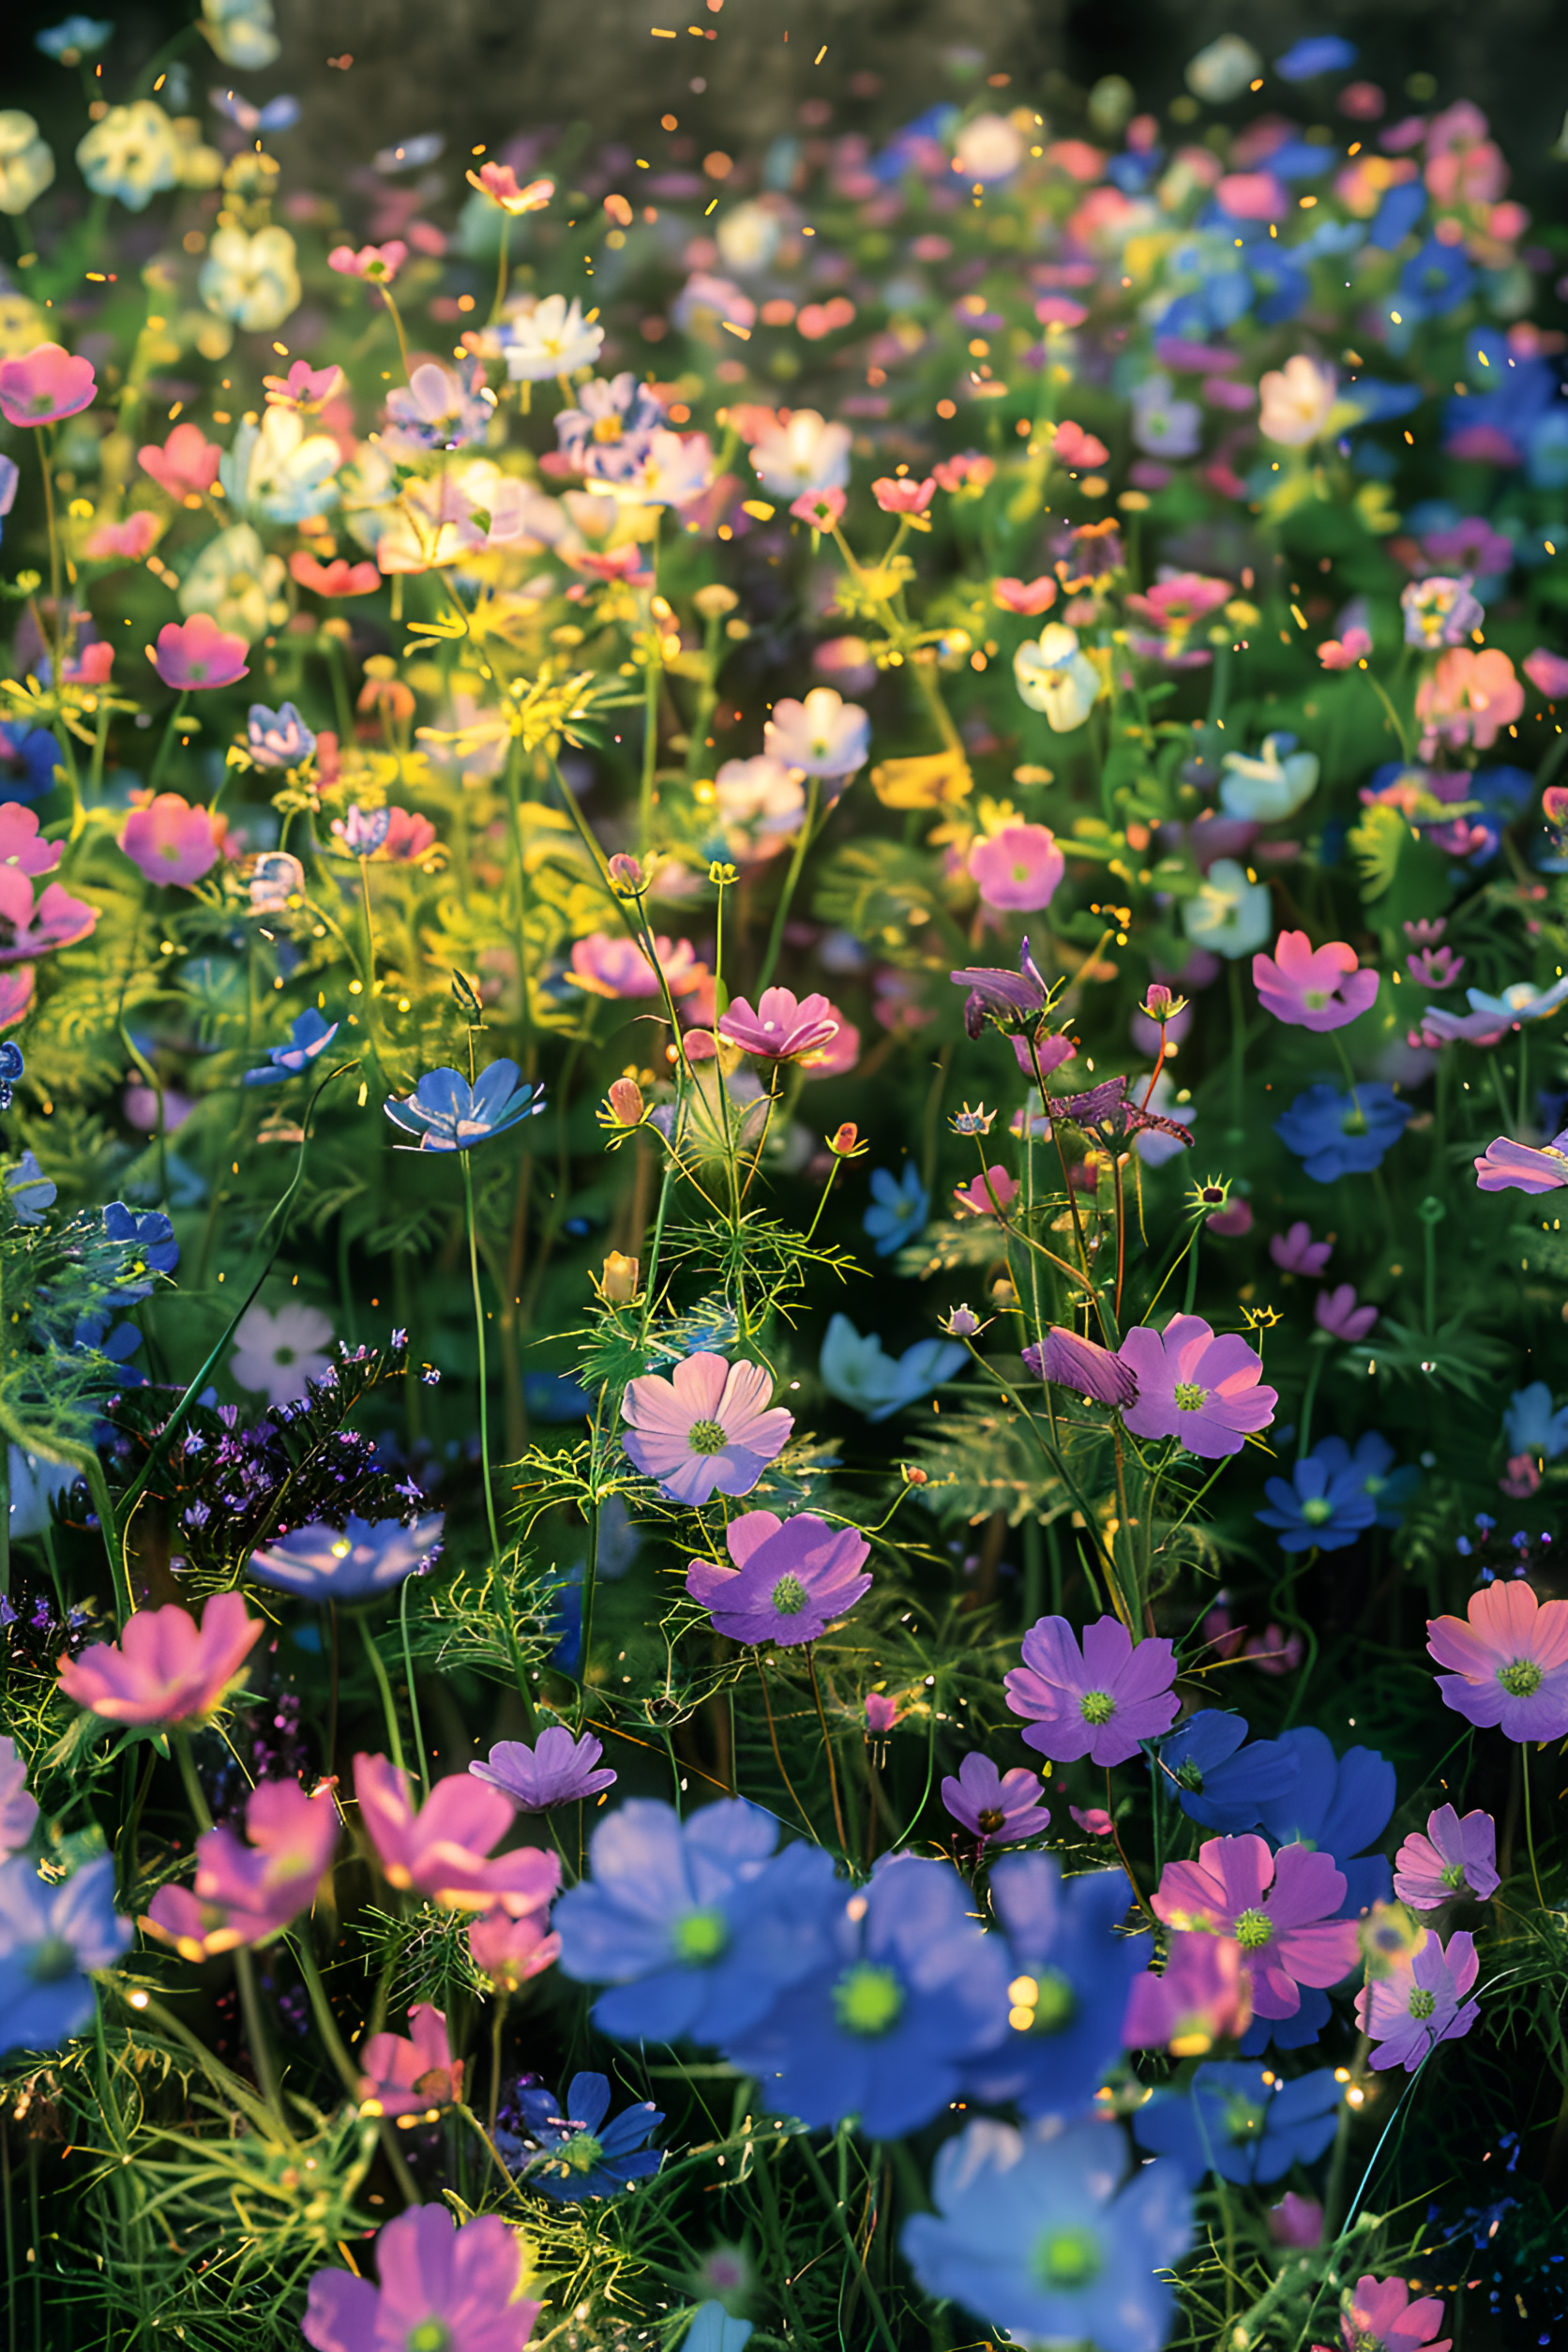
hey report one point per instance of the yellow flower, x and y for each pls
(933, 780)
(26, 164)
(241, 33)
(130, 154)
(196, 165)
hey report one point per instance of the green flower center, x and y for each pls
(1316, 1511)
(581, 2153)
(789, 1596)
(699, 1936)
(1068, 2259)
(1097, 1707)
(706, 1437)
(429, 2335)
(1454, 1877)
(1189, 1397)
(1241, 2119)
(51, 1960)
(867, 1999)
(1042, 2003)
(1315, 999)
(1188, 1775)
(1253, 1930)
(1520, 1677)
(1423, 2002)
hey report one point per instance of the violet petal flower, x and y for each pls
(708, 1429)
(783, 1028)
(1209, 1392)
(451, 2285)
(1456, 1856)
(998, 1808)
(1421, 2003)
(1071, 1361)
(1280, 1906)
(557, 1770)
(246, 1893)
(1336, 1312)
(1099, 1701)
(354, 1562)
(1508, 1662)
(1296, 1252)
(790, 1577)
(1509, 1166)
(19, 1811)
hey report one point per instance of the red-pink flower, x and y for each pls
(1347, 651)
(305, 389)
(1308, 988)
(783, 1028)
(510, 1951)
(989, 1196)
(708, 1429)
(1077, 448)
(91, 665)
(620, 967)
(1468, 698)
(1017, 868)
(407, 2075)
(897, 497)
(1203, 1994)
(196, 653)
(442, 1850)
(1280, 1907)
(186, 466)
(171, 841)
(127, 542)
(43, 385)
(1028, 596)
(439, 2284)
(1060, 310)
(246, 1895)
(336, 578)
(378, 263)
(1380, 2317)
(821, 508)
(26, 930)
(1547, 671)
(164, 1670)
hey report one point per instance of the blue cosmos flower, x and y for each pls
(148, 1241)
(860, 1372)
(716, 2329)
(1435, 281)
(86, 35)
(1284, 286)
(1339, 1806)
(1395, 216)
(912, 1989)
(50, 1936)
(448, 1114)
(119, 1345)
(353, 1563)
(1521, 1002)
(1324, 1502)
(1072, 1970)
(567, 2150)
(1039, 2239)
(1212, 1783)
(1375, 402)
(1389, 1490)
(1240, 2121)
(11, 1068)
(309, 1037)
(900, 1206)
(1532, 1424)
(28, 758)
(1336, 1134)
(1316, 53)
(695, 1925)
(29, 1190)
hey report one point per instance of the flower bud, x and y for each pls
(913, 1476)
(960, 1322)
(716, 600)
(619, 1279)
(625, 1102)
(845, 1143)
(1162, 1004)
(881, 1713)
(627, 874)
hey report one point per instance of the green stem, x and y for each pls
(326, 2024)
(484, 1376)
(650, 722)
(786, 896)
(1314, 1374)
(393, 1737)
(168, 744)
(1529, 1832)
(590, 1586)
(502, 271)
(836, 2213)
(413, 1694)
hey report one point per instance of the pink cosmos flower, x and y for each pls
(897, 497)
(169, 841)
(1318, 989)
(1336, 1312)
(1060, 310)
(824, 735)
(1098, 1701)
(499, 182)
(163, 1669)
(1347, 651)
(1468, 698)
(1020, 867)
(557, 1770)
(439, 2284)
(969, 472)
(1455, 1856)
(305, 389)
(18, 1810)
(43, 385)
(1418, 2002)
(1435, 967)
(510, 1951)
(1380, 2317)
(1073, 1362)
(783, 1028)
(1075, 448)
(1280, 1907)
(1028, 596)
(708, 1429)
(439, 1849)
(790, 1578)
(989, 1196)
(406, 2076)
(821, 508)
(91, 665)
(1547, 672)
(196, 653)
(1093, 1820)
(336, 578)
(1203, 1994)
(26, 930)
(998, 1808)
(129, 541)
(186, 466)
(380, 263)
(246, 1895)
(1509, 1166)
(1180, 600)
(1296, 2221)
(620, 967)
(1209, 1392)
(1508, 1662)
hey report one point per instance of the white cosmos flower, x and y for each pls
(551, 340)
(824, 735)
(1229, 915)
(1296, 401)
(253, 280)
(280, 1353)
(1053, 676)
(26, 162)
(1271, 784)
(804, 454)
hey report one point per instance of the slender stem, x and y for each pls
(389, 1711)
(46, 460)
(836, 2213)
(385, 293)
(827, 1748)
(320, 2008)
(484, 1378)
(498, 2022)
(773, 1735)
(167, 744)
(501, 268)
(1529, 1832)
(786, 896)
(255, 2028)
(651, 692)
(413, 1694)
(1314, 1374)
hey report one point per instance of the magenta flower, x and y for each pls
(1072, 1362)
(164, 1670)
(186, 466)
(510, 1951)
(442, 2284)
(1336, 1312)
(998, 1808)
(1296, 1252)
(1296, 2221)
(1098, 1701)
(1019, 868)
(790, 1578)
(1203, 1994)
(1380, 2317)
(378, 263)
(1510, 1662)
(1209, 1392)
(196, 653)
(1547, 671)
(1420, 2003)
(620, 967)
(1435, 967)
(404, 2076)
(709, 1429)
(1280, 1907)
(1456, 1856)
(18, 1812)
(44, 385)
(1312, 988)
(783, 1028)
(57, 919)
(881, 1713)
(1509, 1166)
(1347, 651)
(20, 842)
(171, 841)
(559, 1771)
(125, 542)
(989, 1196)
(440, 1849)
(246, 1895)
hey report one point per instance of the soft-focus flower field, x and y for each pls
(782, 959)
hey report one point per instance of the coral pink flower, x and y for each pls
(709, 1429)
(186, 466)
(1308, 988)
(510, 1951)
(1547, 671)
(439, 2284)
(1097, 1701)
(163, 1669)
(196, 653)
(441, 1850)
(171, 841)
(129, 540)
(499, 182)
(1508, 1662)
(336, 578)
(305, 389)
(44, 385)
(1209, 1392)
(1467, 700)
(20, 843)
(1025, 595)
(57, 920)
(1453, 1856)
(1380, 2317)
(1060, 310)
(969, 472)
(246, 1895)
(1336, 1312)
(903, 498)
(1203, 1994)
(1077, 448)
(404, 2076)
(821, 508)
(1347, 651)
(784, 1028)
(378, 263)
(790, 1578)
(1279, 1908)
(1019, 868)
(620, 967)
(989, 1196)
(91, 666)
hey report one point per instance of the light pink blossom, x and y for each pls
(620, 967)
(1017, 868)
(57, 920)
(442, 1848)
(1345, 652)
(783, 1028)
(196, 653)
(824, 735)
(380, 263)
(41, 386)
(707, 1430)
(1318, 989)
(441, 2284)
(410, 2076)
(164, 1670)
(171, 841)
(244, 1893)
(127, 541)
(186, 466)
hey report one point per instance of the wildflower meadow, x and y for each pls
(783, 1389)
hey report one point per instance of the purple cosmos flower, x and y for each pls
(791, 1576)
(783, 1028)
(1010, 998)
(19, 1811)
(1308, 988)
(1380, 2317)
(1279, 1908)
(1456, 1856)
(354, 1562)
(1296, 1252)
(1209, 1392)
(1098, 1701)
(1474, 1029)
(1417, 2004)
(1336, 1312)
(1510, 1662)
(881, 1713)
(1070, 1361)
(998, 1808)
(1509, 1166)
(708, 1429)
(558, 1771)
(442, 2284)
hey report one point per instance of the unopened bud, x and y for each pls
(625, 1102)
(960, 1322)
(467, 998)
(618, 1281)
(1162, 1004)
(914, 1476)
(627, 874)
(716, 600)
(845, 1144)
